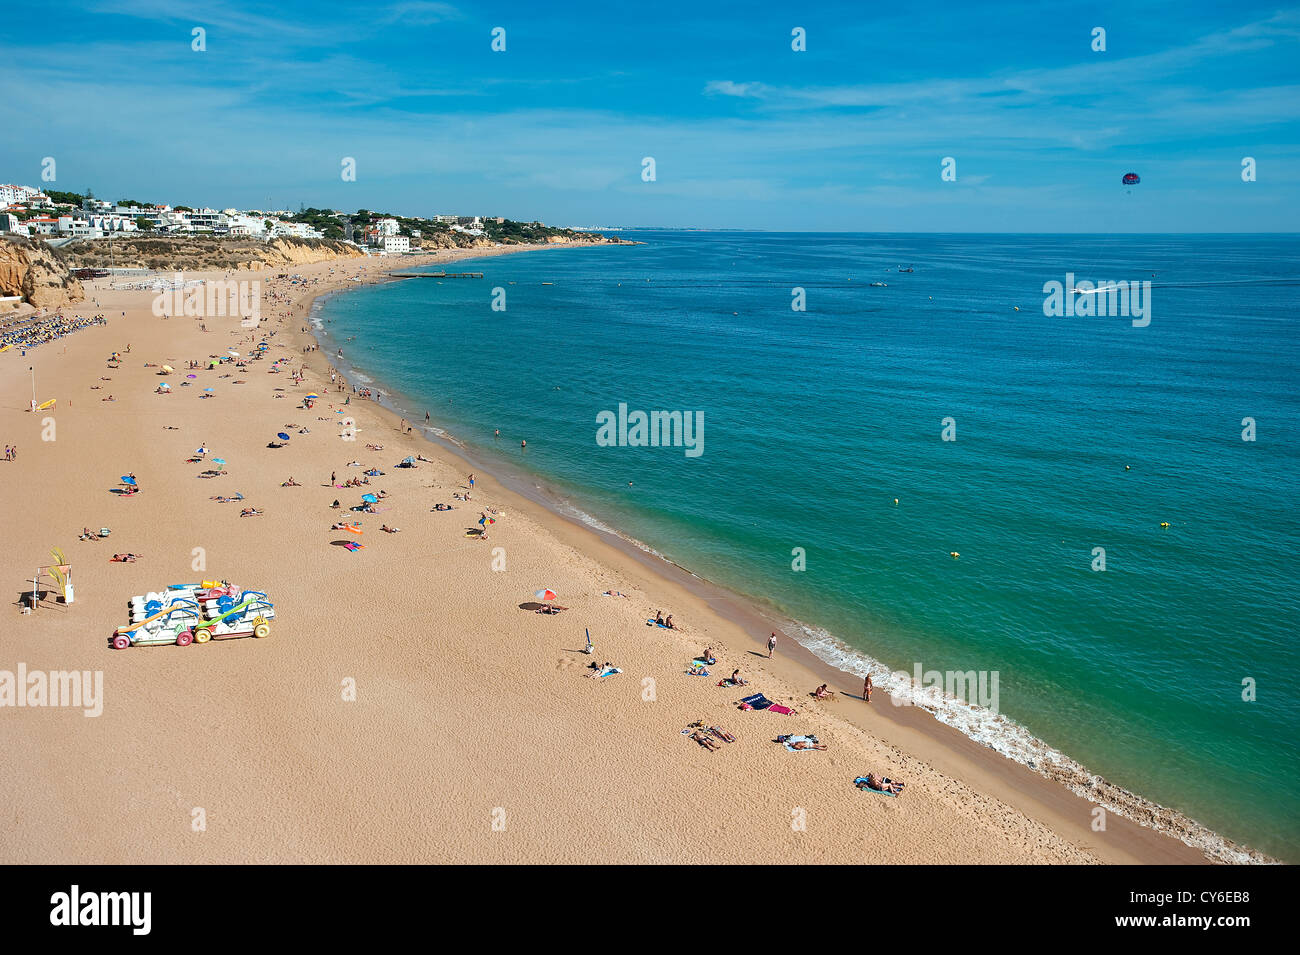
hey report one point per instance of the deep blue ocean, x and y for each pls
(1072, 433)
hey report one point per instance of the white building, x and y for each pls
(299, 230)
(387, 227)
(394, 243)
(203, 220)
(71, 225)
(9, 223)
(11, 195)
(111, 223)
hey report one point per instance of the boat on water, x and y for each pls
(908, 269)
(879, 285)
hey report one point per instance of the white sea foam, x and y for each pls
(1015, 742)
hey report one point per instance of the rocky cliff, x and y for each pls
(200, 253)
(34, 271)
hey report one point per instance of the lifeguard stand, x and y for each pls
(60, 572)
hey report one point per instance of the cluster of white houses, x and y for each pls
(97, 219)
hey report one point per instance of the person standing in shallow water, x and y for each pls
(866, 688)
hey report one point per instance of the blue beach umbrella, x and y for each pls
(282, 436)
(127, 479)
(219, 462)
(369, 498)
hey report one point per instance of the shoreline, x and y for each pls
(1052, 790)
(425, 633)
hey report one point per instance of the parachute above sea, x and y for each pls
(1131, 179)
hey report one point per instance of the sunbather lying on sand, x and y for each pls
(705, 741)
(886, 785)
(88, 535)
(390, 530)
(805, 744)
(443, 507)
(550, 608)
(250, 512)
(613, 593)
(722, 734)
(124, 558)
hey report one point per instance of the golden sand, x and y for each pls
(474, 735)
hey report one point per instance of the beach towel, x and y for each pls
(868, 789)
(651, 623)
(778, 708)
(756, 702)
(697, 670)
(606, 671)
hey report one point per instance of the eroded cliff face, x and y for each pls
(176, 254)
(32, 270)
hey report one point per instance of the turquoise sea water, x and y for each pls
(815, 421)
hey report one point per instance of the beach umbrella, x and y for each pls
(313, 395)
(409, 459)
(168, 368)
(546, 594)
(369, 498)
(127, 479)
(191, 376)
(282, 436)
(233, 353)
(208, 390)
(219, 462)
(165, 387)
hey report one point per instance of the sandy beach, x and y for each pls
(409, 704)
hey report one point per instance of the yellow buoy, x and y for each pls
(953, 554)
(1164, 523)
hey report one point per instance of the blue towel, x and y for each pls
(758, 701)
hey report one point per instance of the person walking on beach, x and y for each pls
(771, 644)
(866, 688)
(471, 482)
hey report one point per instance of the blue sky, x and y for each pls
(745, 132)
